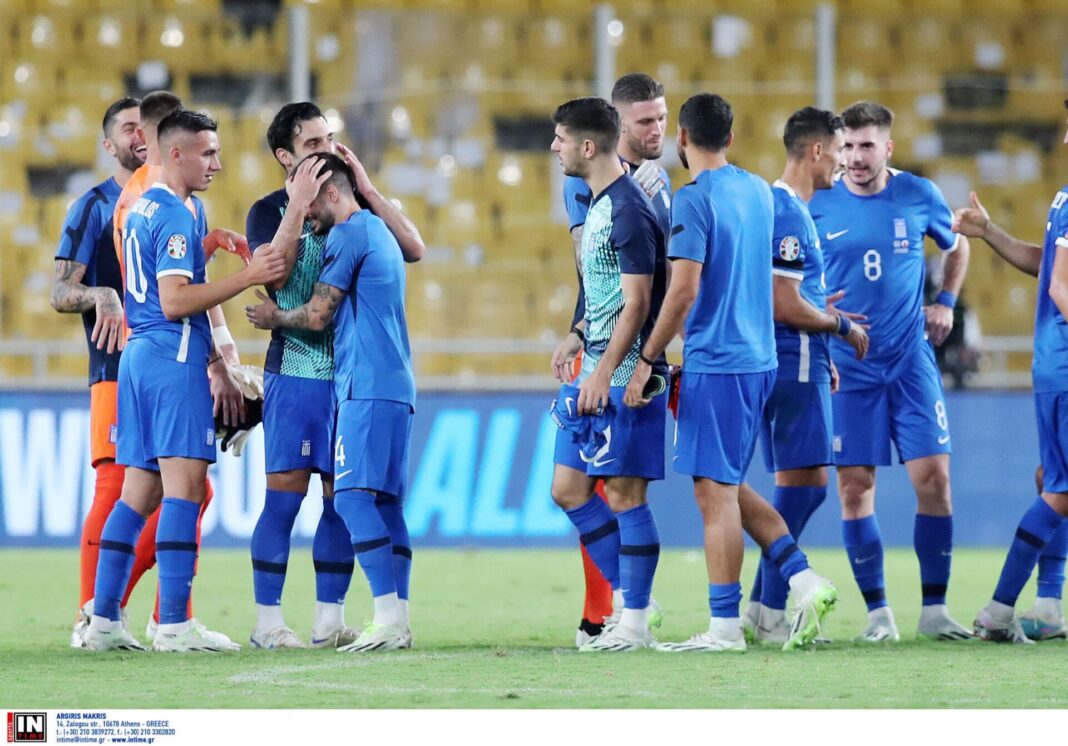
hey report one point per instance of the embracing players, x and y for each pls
(872, 224)
(298, 397)
(363, 268)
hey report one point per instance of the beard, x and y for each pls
(322, 223)
(646, 152)
(128, 159)
(682, 157)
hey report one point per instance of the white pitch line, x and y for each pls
(278, 676)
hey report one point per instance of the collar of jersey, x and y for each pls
(780, 184)
(164, 187)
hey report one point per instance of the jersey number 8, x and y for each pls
(873, 265)
(135, 273)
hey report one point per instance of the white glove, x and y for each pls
(237, 443)
(249, 379)
(649, 178)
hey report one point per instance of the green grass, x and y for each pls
(495, 629)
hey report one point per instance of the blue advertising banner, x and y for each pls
(481, 471)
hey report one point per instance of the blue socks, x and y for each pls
(370, 538)
(864, 546)
(933, 539)
(332, 557)
(724, 600)
(639, 552)
(392, 511)
(1037, 526)
(1051, 564)
(599, 533)
(270, 545)
(117, 542)
(176, 556)
(796, 505)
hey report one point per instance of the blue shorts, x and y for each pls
(371, 451)
(910, 411)
(165, 409)
(719, 422)
(796, 431)
(634, 446)
(298, 423)
(1051, 411)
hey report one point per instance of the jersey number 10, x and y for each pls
(136, 282)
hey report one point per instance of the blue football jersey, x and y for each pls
(796, 254)
(621, 236)
(372, 356)
(162, 238)
(87, 239)
(1049, 368)
(724, 220)
(873, 249)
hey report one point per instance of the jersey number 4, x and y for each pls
(136, 282)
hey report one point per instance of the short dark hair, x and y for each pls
(591, 118)
(157, 105)
(707, 119)
(124, 103)
(184, 120)
(635, 87)
(806, 126)
(340, 173)
(286, 124)
(867, 113)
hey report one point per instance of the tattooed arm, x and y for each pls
(315, 315)
(69, 295)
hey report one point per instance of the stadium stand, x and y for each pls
(458, 132)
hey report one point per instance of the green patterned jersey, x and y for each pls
(293, 352)
(621, 236)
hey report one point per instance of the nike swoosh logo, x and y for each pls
(342, 474)
(832, 236)
(943, 439)
(318, 641)
(862, 560)
(946, 554)
(568, 402)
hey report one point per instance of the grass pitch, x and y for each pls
(495, 629)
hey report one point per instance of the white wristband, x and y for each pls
(221, 336)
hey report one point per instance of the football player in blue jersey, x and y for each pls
(363, 268)
(643, 112)
(88, 281)
(1040, 534)
(166, 433)
(872, 225)
(298, 406)
(796, 432)
(600, 438)
(721, 288)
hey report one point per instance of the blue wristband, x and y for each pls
(947, 299)
(844, 325)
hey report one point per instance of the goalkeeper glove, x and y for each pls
(650, 178)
